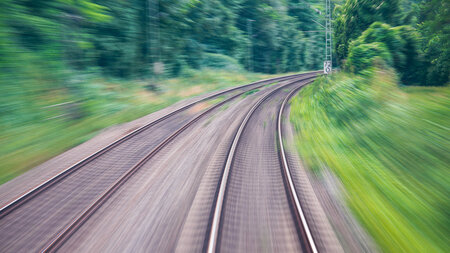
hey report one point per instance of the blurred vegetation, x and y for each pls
(387, 143)
(416, 34)
(38, 132)
(389, 147)
(69, 68)
(364, 56)
(125, 38)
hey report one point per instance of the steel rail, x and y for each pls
(65, 234)
(215, 224)
(29, 194)
(300, 216)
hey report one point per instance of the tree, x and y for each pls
(363, 56)
(402, 42)
(434, 26)
(383, 33)
(355, 16)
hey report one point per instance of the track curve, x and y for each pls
(119, 178)
(251, 170)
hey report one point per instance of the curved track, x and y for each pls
(256, 205)
(70, 197)
(310, 244)
(11, 205)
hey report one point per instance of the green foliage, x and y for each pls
(383, 33)
(355, 16)
(249, 93)
(389, 148)
(402, 43)
(412, 71)
(35, 125)
(364, 56)
(220, 61)
(415, 32)
(434, 20)
(126, 38)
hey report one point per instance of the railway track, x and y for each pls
(78, 218)
(5, 209)
(218, 217)
(291, 189)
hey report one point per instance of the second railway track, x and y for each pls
(65, 196)
(19, 200)
(256, 192)
(309, 243)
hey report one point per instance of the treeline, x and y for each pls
(126, 38)
(410, 36)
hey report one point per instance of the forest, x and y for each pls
(146, 38)
(126, 38)
(55, 51)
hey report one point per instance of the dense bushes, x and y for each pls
(416, 33)
(353, 17)
(364, 56)
(396, 46)
(383, 33)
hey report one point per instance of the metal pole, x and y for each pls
(328, 39)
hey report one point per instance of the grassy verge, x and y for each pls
(389, 146)
(42, 134)
(249, 93)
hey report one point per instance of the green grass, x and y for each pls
(28, 141)
(389, 146)
(271, 84)
(247, 93)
